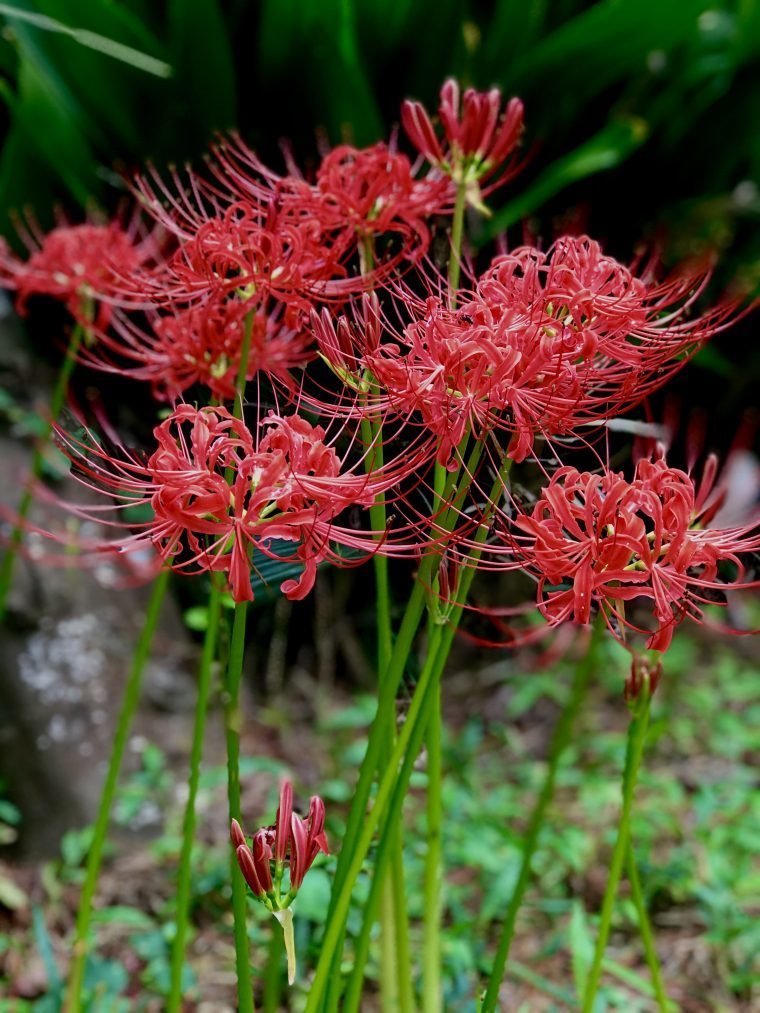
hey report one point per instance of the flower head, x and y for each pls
(249, 252)
(597, 540)
(201, 344)
(478, 137)
(543, 344)
(371, 192)
(216, 491)
(75, 264)
(291, 843)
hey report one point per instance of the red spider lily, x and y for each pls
(202, 345)
(358, 196)
(479, 138)
(371, 192)
(249, 252)
(76, 264)
(291, 841)
(216, 492)
(545, 343)
(249, 228)
(614, 541)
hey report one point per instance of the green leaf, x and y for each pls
(581, 947)
(196, 618)
(313, 897)
(9, 813)
(74, 846)
(630, 978)
(11, 895)
(268, 572)
(120, 914)
(603, 44)
(50, 121)
(320, 37)
(713, 361)
(45, 949)
(91, 40)
(524, 973)
(104, 980)
(512, 31)
(201, 51)
(607, 149)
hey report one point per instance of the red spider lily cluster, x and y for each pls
(597, 540)
(291, 842)
(317, 363)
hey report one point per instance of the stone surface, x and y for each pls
(65, 654)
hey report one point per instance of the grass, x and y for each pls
(696, 832)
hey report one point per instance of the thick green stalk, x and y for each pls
(232, 718)
(383, 860)
(392, 787)
(389, 684)
(431, 946)
(395, 979)
(411, 732)
(233, 722)
(637, 732)
(74, 998)
(431, 938)
(386, 712)
(396, 962)
(645, 928)
(584, 669)
(272, 991)
(457, 228)
(56, 403)
(188, 830)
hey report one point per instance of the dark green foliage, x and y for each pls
(608, 85)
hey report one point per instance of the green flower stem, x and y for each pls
(395, 979)
(457, 228)
(232, 718)
(584, 669)
(645, 928)
(394, 929)
(56, 403)
(432, 991)
(188, 830)
(407, 745)
(74, 998)
(233, 721)
(386, 711)
(431, 946)
(637, 732)
(383, 859)
(272, 990)
(392, 787)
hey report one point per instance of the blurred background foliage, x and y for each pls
(642, 115)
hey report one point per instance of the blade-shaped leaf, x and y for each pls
(607, 149)
(201, 52)
(91, 40)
